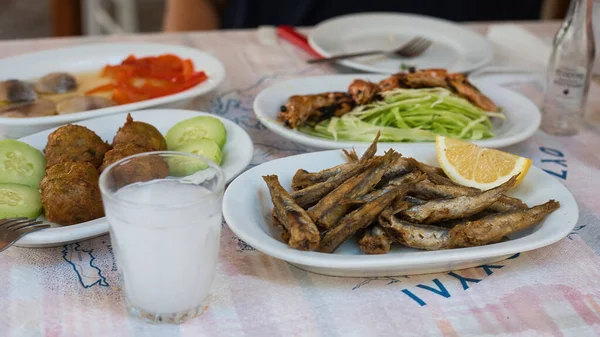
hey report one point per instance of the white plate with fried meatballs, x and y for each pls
(76, 153)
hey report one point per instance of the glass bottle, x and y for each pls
(569, 71)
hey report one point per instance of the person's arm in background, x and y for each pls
(184, 15)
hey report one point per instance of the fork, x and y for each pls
(412, 48)
(12, 229)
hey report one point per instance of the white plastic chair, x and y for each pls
(97, 18)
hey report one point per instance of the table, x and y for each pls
(74, 291)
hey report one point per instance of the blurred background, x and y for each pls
(47, 18)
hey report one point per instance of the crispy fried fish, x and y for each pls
(490, 229)
(311, 194)
(493, 228)
(303, 234)
(285, 235)
(428, 190)
(413, 235)
(375, 241)
(400, 166)
(303, 179)
(330, 209)
(357, 219)
(407, 179)
(456, 208)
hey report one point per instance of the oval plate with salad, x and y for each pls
(410, 109)
(180, 128)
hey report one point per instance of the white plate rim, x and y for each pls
(273, 247)
(323, 143)
(96, 227)
(216, 77)
(363, 67)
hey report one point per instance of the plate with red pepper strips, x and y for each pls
(62, 86)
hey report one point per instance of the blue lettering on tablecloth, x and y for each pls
(82, 261)
(440, 289)
(560, 173)
(464, 281)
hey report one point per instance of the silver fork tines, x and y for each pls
(414, 47)
(13, 229)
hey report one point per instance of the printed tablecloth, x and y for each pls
(73, 290)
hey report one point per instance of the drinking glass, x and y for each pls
(164, 216)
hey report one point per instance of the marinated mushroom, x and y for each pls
(39, 108)
(82, 103)
(56, 83)
(15, 91)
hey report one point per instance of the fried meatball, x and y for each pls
(141, 134)
(70, 193)
(119, 152)
(140, 169)
(74, 143)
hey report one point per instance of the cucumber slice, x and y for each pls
(21, 163)
(19, 201)
(201, 127)
(207, 148)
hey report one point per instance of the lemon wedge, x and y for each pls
(470, 165)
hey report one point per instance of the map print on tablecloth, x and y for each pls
(82, 261)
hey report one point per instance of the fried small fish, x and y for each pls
(303, 234)
(432, 170)
(358, 219)
(331, 208)
(311, 194)
(413, 235)
(406, 179)
(456, 208)
(493, 228)
(285, 235)
(428, 190)
(375, 241)
(400, 166)
(303, 179)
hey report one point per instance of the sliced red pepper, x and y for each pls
(102, 88)
(162, 75)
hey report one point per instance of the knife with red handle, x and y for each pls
(291, 35)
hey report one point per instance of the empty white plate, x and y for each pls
(454, 47)
(247, 209)
(522, 116)
(92, 58)
(237, 154)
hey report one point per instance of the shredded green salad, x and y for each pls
(409, 115)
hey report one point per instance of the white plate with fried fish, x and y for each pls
(247, 208)
(521, 116)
